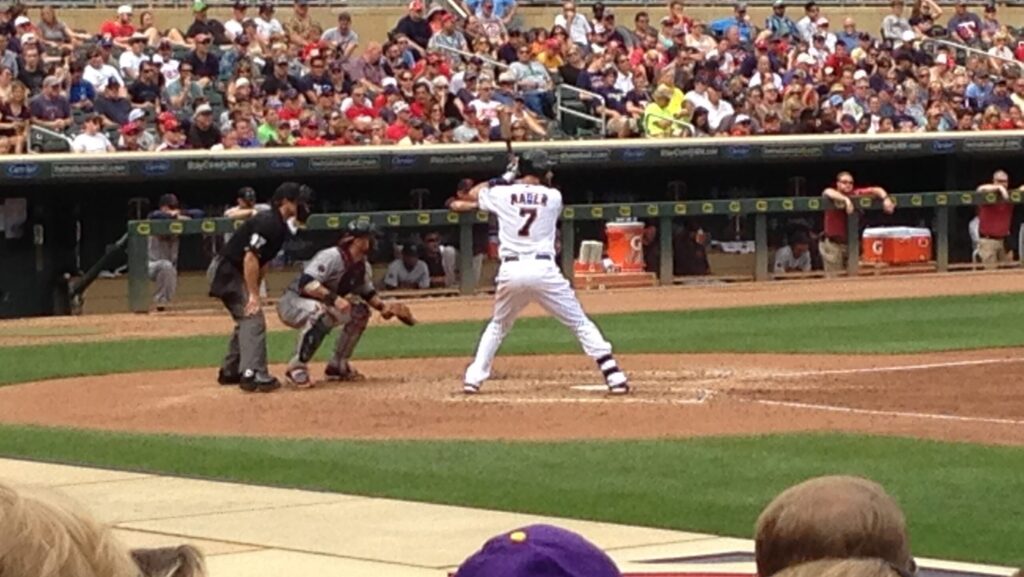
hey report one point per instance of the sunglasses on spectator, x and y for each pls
(405, 78)
(205, 41)
(186, 70)
(845, 181)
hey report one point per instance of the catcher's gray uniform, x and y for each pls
(163, 267)
(334, 269)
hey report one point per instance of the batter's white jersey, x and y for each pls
(527, 222)
(527, 217)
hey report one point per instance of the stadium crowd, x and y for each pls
(254, 81)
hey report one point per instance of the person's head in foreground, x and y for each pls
(844, 568)
(834, 517)
(538, 551)
(44, 534)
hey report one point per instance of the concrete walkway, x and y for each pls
(250, 531)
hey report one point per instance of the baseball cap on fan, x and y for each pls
(539, 551)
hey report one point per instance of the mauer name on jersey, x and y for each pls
(531, 198)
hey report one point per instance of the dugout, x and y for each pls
(76, 208)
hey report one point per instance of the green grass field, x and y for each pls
(881, 327)
(963, 501)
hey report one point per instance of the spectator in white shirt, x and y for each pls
(408, 272)
(233, 27)
(99, 73)
(266, 25)
(92, 140)
(795, 256)
(133, 58)
(575, 24)
(718, 109)
(808, 25)
(486, 108)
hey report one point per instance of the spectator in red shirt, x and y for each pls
(400, 127)
(121, 28)
(311, 135)
(421, 100)
(833, 241)
(358, 104)
(994, 221)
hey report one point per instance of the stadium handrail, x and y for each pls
(51, 133)
(681, 123)
(972, 50)
(140, 230)
(560, 109)
(465, 54)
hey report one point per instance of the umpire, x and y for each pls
(235, 276)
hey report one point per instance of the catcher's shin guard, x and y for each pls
(313, 337)
(350, 334)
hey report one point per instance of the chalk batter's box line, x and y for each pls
(880, 413)
(496, 400)
(894, 368)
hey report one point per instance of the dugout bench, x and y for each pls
(664, 213)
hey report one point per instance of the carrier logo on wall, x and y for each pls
(634, 154)
(22, 170)
(943, 146)
(403, 161)
(738, 151)
(155, 167)
(282, 164)
(843, 148)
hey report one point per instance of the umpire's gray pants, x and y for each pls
(247, 350)
(163, 273)
(302, 313)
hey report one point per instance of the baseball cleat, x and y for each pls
(334, 373)
(620, 389)
(470, 389)
(259, 383)
(299, 377)
(226, 378)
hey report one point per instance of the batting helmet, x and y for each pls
(535, 163)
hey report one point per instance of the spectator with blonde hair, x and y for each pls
(44, 534)
(836, 517)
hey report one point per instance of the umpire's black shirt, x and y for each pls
(263, 234)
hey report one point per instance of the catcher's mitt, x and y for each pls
(400, 311)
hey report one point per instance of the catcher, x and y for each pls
(319, 300)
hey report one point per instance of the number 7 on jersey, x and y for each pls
(530, 214)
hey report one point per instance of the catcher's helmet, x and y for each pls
(535, 163)
(360, 227)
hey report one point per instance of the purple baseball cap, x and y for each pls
(538, 551)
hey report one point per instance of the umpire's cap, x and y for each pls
(535, 163)
(300, 194)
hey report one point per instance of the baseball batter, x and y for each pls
(528, 212)
(318, 301)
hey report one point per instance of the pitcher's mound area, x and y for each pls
(964, 396)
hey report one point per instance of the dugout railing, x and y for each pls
(664, 213)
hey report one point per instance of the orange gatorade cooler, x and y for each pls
(896, 245)
(625, 245)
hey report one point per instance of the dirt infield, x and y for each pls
(965, 396)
